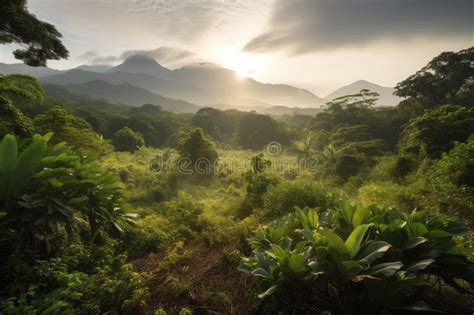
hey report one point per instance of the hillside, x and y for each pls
(126, 93)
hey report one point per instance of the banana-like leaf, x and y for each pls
(360, 216)
(414, 242)
(419, 265)
(346, 211)
(335, 242)
(372, 251)
(385, 269)
(354, 240)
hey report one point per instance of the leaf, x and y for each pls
(313, 218)
(260, 272)
(414, 242)
(361, 214)
(268, 292)
(437, 234)
(417, 229)
(419, 265)
(360, 278)
(458, 228)
(351, 267)
(9, 152)
(354, 240)
(346, 210)
(386, 269)
(373, 251)
(335, 242)
(418, 306)
(297, 264)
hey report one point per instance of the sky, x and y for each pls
(320, 45)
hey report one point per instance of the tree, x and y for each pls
(127, 140)
(71, 129)
(436, 131)
(18, 26)
(256, 131)
(441, 80)
(197, 147)
(12, 119)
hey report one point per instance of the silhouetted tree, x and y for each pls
(441, 80)
(18, 26)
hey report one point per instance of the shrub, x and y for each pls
(371, 263)
(284, 198)
(126, 139)
(71, 129)
(44, 190)
(86, 280)
(200, 151)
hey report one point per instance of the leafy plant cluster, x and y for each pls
(366, 260)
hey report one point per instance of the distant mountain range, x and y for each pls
(128, 94)
(141, 79)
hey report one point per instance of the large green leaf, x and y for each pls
(385, 269)
(372, 251)
(346, 211)
(27, 164)
(297, 264)
(414, 242)
(360, 216)
(354, 240)
(335, 242)
(419, 265)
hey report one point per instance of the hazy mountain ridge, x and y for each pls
(128, 94)
(201, 84)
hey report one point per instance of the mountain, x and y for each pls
(95, 68)
(148, 82)
(202, 84)
(386, 97)
(226, 87)
(128, 94)
(37, 72)
(141, 64)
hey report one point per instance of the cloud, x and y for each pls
(303, 26)
(164, 55)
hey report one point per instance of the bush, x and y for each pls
(258, 184)
(281, 199)
(198, 149)
(371, 263)
(85, 280)
(127, 140)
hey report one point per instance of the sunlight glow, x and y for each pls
(245, 65)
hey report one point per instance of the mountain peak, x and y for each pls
(140, 63)
(386, 96)
(140, 59)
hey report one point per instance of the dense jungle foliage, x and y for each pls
(113, 209)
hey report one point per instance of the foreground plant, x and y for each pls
(44, 190)
(371, 262)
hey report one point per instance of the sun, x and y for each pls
(244, 65)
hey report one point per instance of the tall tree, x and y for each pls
(441, 80)
(41, 40)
